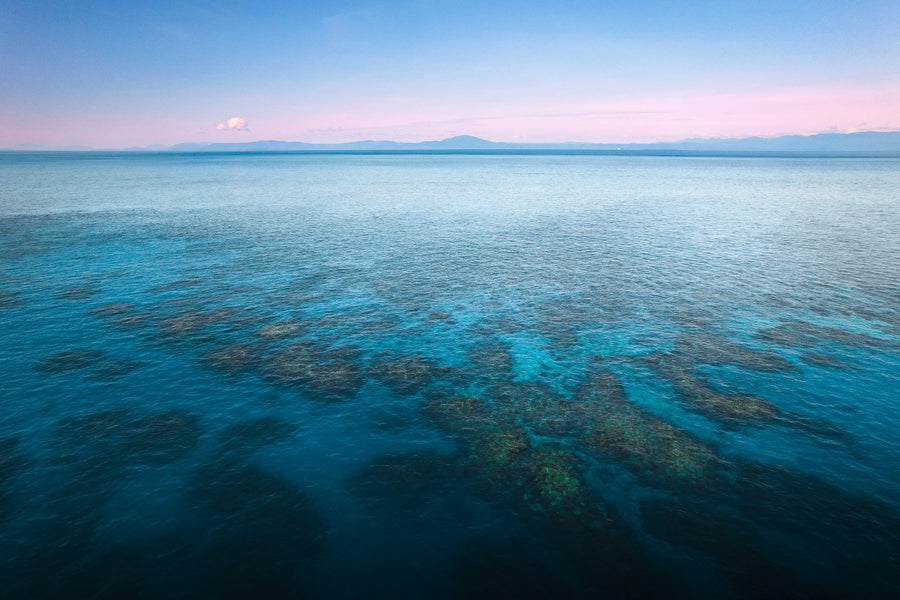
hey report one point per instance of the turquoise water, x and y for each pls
(448, 376)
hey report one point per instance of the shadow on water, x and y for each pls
(261, 535)
(242, 532)
(13, 462)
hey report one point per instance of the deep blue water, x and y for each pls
(449, 376)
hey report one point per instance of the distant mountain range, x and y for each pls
(866, 142)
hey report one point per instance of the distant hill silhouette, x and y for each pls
(871, 142)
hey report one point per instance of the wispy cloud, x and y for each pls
(233, 124)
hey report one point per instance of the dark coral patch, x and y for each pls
(404, 374)
(80, 291)
(116, 368)
(231, 358)
(133, 320)
(492, 358)
(9, 299)
(113, 309)
(253, 434)
(802, 334)
(548, 481)
(105, 443)
(713, 349)
(819, 359)
(645, 442)
(554, 484)
(708, 400)
(407, 481)
(70, 360)
(263, 532)
(327, 372)
(161, 438)
(178, 284)
(12, 463)
(279, 329)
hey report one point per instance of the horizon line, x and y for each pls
(660, 145)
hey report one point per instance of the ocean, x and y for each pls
(448, 376)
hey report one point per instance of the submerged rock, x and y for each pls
(498, 450)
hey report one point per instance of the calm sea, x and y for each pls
(451, 376)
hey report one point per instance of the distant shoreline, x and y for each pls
(470, 152)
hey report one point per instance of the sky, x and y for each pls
(112, 74)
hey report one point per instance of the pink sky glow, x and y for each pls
(651, 118)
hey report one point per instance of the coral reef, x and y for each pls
(706, 399)
(79, 291)
(493, 358)
(404, 374)
(553, 483)
(10, 299)
(252, 434)
(133, 320)
(646, 443)
(115, 368)
(327, 372)
(547, 480)
(113, 309)
(70, 360)
(161, 438)
(231, 358)
(398, 482)
(277, 330)
(105, 443)
(712, 349)
(819, 359)
(803, 334)
(178, 284)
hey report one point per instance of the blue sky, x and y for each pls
(119, 73)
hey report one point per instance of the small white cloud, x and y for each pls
(233, 124)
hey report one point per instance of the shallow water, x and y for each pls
(452, 376)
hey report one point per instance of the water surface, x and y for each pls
(448, 376)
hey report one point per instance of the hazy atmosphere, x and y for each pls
(112, 74)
